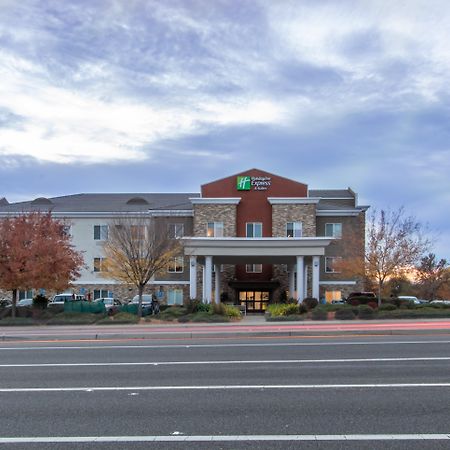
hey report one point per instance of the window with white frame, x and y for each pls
(332, 295)
(102, 293)
(100, 232)
(176, 265)
(333, 230)
(253, 268)
(100, 265)
(294, 229)
(176, 230)
(253, 229)
(332, 264)
(214, 229)
(175, 297)
(25, 294)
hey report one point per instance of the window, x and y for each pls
(176, 230)
(254, 229)
(176, 265)
(214, 229)
(332, 264)
(333, 230)
(100, 232)
(332, 295)
(25, 294)
(294, 229)
(253, 268)
(102, 293)
(175, 297)
(137, 232)
(100, 265)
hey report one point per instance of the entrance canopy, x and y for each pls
(237, 250)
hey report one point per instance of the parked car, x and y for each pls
(442, 302)
(147, 303)
(361, 294)
(111, 304)
(24, 302)
(411, 298)
(60, 299)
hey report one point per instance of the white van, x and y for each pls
(60, 299)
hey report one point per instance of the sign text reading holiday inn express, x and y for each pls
(247, 183)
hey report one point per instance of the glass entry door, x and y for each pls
(254, 301)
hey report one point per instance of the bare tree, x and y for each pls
(394, 244)
(137, 247)
(432, 274)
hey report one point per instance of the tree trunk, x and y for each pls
(140, 292)
(380, 285)
(14, 302)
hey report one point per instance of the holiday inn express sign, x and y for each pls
(248, 183)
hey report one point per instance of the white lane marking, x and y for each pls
(193, 346)
(229, 438)
(268, 361)
(227, 387)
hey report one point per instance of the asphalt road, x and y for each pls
(340, 392)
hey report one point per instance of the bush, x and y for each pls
(310, 303)
(19, 321)
(194, 305)
(387, 307)
(119, 318)
(290, 318)
(40, 301)
(319, 314)
(218, 308)
(373, 305)
(173, 312)
(283, 309)
(232, 312)
(73, 319)
(419, 313)
(344, 314)
(365, 312)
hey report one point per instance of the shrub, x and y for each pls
(40, 301)
(73, 319)
(282, 309)
(172, 312)
(119, 318)
(387, 307)
(373, 305)
(232, 312)
(319, 314)
(290, 318)
(414, 313)
(9, 321)
(217, 308)
(345, 314)
(365, 312)
(310, 303)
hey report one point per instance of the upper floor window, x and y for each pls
(254, 229)
(100, 232)
(253, 268)
(214, 229)
(332, 264)
(100, 265)
(176, 265)
(176, 230)
(333, 230)
(294, 229)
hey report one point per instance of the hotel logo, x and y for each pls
(243, 183)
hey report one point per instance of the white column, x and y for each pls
(305, 282)
(217, 284)
(208, 279)
(291, 269)
(203, 283)
(193, 277)
(315, 276)
(300, 273)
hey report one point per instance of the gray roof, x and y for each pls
(105, 203)
(331, 193)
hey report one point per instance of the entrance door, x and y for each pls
(254, 301)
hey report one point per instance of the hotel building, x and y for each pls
(249, 238)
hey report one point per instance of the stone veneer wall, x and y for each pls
(281, 214)
(215, 213)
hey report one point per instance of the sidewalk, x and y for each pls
(250, 326)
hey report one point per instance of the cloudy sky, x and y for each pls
(162, 96)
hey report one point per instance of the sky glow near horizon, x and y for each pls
(151, 96)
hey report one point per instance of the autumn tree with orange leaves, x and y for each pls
(36, 252)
